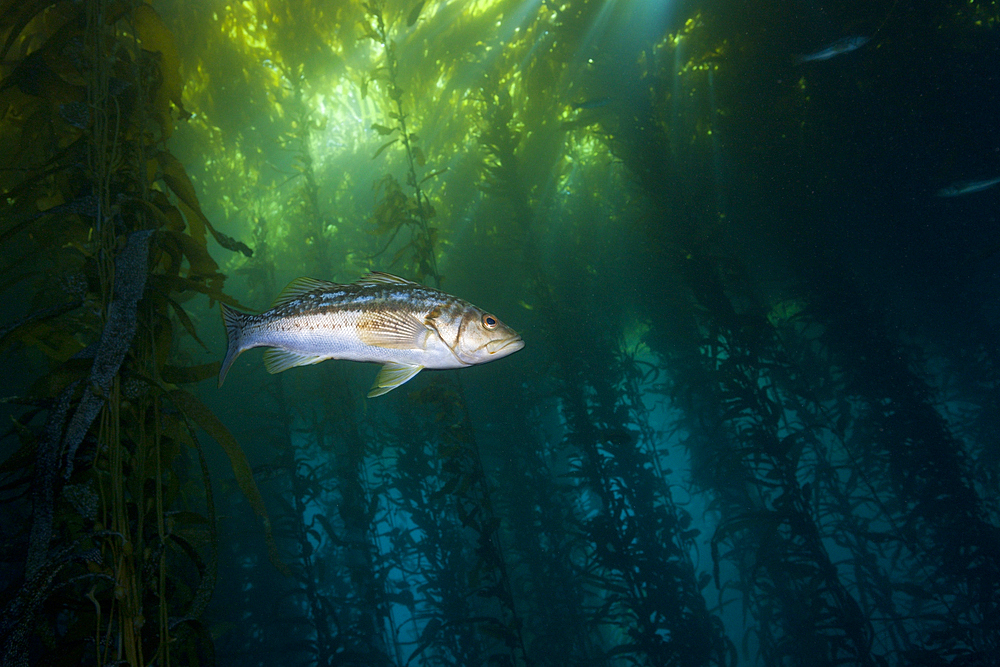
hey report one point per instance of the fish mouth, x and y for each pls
(505, 345)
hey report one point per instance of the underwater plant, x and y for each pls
(394, 210)
(113, 561)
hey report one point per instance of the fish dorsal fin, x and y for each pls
(277, 359)
(380, 278)
(393, 329)
(300, 287)
(391, 376)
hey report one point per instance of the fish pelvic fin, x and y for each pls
(234, 321)
(391, 376)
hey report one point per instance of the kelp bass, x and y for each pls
(381, 318)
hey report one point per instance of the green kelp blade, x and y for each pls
(414, 14)
(383, 147)
(199, 413)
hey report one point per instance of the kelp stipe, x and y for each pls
(642, 542)
(751, 457)
(637, 585)
(332, 606)
(938, 519)
(817, 438)
(740, 395)
(116, 567)
(338, 571)
(394, 210)
(465, 612)
(490, 630)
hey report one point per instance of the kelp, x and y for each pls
(463, 596)
(639, 569)
(940, 518)
(331, 604)
(634, 571)
(106, 477)
(796, 420)
(394, 210)
(748, 426)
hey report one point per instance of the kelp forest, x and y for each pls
(751, 248)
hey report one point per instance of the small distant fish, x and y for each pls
(595, 103)
(840, 47)
(381, 318)
(967, 187)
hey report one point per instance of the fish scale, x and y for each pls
(381, 318)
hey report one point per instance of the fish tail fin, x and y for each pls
(234, 321)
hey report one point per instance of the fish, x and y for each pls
(379, 318)
(967, 187)
(840, 47)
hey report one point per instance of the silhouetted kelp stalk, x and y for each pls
(893, 492)
(112, 571)
(751, 432)
(337, 567)
(323, 613)
(361, 509)
(306, 207)
(640, 567)
(973, 382)
(467, 612)
(634, 553)
(544, 536)
(356, 601)
(337, 575)
(936, 512)
(740, 395)
(310, 615)
(395, 210)
(464, 476)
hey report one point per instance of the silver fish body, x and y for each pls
(380, 318)
(967, 187)
(841, 46)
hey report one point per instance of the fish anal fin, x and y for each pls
(391, 376)
(300, 287)
(277, 359)
(396, 330)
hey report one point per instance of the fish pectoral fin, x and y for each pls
(391, 376)
(396, 330)
(276, 359)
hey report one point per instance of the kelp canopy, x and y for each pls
(754, 420)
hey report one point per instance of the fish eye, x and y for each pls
(489, 321)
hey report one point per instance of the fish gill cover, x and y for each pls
(754, 418)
